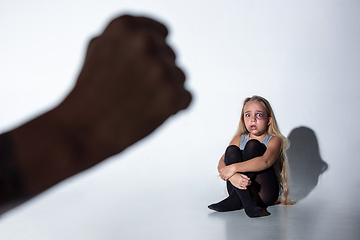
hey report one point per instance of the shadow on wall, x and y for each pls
(305, 162)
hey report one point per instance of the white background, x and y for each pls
(303, 56)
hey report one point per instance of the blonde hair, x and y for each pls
(281, 168)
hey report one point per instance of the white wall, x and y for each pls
(303, 56)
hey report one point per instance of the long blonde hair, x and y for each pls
(281, 168)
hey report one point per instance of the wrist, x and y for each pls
(47, 152)
(10, 180)
(93, 134)
(236, 167)
(233, 177)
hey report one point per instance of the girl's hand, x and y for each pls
(240, 181)
(227, 172)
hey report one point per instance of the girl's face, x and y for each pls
(255, 118)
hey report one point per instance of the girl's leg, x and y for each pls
(252, 149)
(265, 189)
(232, 202)
(233, 154)
(264, 196)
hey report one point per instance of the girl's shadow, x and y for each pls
(305, 162)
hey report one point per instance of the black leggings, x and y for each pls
(265, 186)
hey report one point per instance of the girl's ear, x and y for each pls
(269, 121)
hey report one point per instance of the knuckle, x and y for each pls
(172, 94)
(170, 52)
(123, 21)
(145, 42)
(160, 71)
(121, 24)
(93, 40)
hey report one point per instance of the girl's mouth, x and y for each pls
(253, 127)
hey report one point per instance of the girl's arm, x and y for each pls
(256, 164)
(234, 141)
(238, 180)
(221, 164)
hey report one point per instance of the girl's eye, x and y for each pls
(247, 115)
(259, 116)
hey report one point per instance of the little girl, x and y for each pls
(254, 164)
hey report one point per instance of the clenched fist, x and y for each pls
(128, 86)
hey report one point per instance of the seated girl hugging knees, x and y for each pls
(254, 165)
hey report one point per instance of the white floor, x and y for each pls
(178, 213)
(131, 197)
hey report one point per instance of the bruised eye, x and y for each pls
(259, 115)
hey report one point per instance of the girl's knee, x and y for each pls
(253, 148)
(254, 144)
(232, 148)
(232, 155)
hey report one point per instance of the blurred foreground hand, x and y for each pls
(128, 86)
